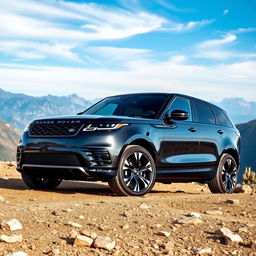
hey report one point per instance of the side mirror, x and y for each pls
(179, 115)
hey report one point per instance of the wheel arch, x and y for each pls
(143, 143)
(233, 153)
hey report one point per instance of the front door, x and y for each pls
(181, 143)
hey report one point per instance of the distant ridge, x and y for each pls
(248, 145)
(20, 109)
(9, 138)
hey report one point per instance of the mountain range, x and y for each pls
(19, 109)
(9, 137)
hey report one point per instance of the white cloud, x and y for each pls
(243, 30)
(60, 20)
(36, 50)
(225, 12)
(192, 25)
(227, 39)
(140, 76)
(118, 53)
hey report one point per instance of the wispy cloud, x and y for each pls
(146, 76)
(37, 50)
(191, 25)
(118, 53)
(243, 30)
(227, 39)
(72, 21)
(225, 12)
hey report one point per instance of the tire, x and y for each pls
(40, 183)
(136, 172)
(225, 179)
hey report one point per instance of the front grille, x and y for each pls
(51, 159)
(97, 156)
(37, 130)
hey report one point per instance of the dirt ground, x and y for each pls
(45, 216)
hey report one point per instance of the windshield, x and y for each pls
(145, 106)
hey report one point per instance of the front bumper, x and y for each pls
(82, 157)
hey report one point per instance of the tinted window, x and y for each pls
(147, 106)
(204, 113)
(181, 104)
(222, 119)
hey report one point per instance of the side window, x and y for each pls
(181, 104)
(222, 119)
(204, 113)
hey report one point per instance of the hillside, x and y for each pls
(20, 109)
(174, 219)
(9, 137)
(248, 138)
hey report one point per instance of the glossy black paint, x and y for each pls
(183, 151)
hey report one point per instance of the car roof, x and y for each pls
(167, 94)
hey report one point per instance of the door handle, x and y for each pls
(192, 129)
(220, 131)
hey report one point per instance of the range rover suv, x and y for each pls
(131, 141)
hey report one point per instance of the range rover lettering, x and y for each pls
(131, 141)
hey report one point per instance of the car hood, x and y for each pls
(96, 119)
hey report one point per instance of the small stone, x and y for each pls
(189, 220)
(158, 225)
(243, 230)
(229, 236)
(126, 226)
(11, 225)
(194, 214)
(55, 213)
(164, 233)
(19, 253)
(144, 206)
(74, 224)
(243, 189)
(214, 212)
(103, 242)
(1, 198)
(252, 244)
(73, 234)
(127, 214)
(232, 201)
(81, 217)
(104, 228)
(87, 233)
(11, 239)
(68, 210)
(203, 250)
(83, 241)
(155, 246)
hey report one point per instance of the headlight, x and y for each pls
(100, 127)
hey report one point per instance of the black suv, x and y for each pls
(131, 141)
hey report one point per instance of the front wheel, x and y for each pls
(37, 182)
(225, 179)
(136, 172)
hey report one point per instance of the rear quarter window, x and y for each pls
(221, 117)
(203, 113)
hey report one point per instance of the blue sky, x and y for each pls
(97, 48)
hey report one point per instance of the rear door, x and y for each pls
(210, 138)
(181, 138)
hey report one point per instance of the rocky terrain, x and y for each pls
(87, 219)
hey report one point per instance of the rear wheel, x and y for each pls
(226, 176)
(136, 172)
(38, 182)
